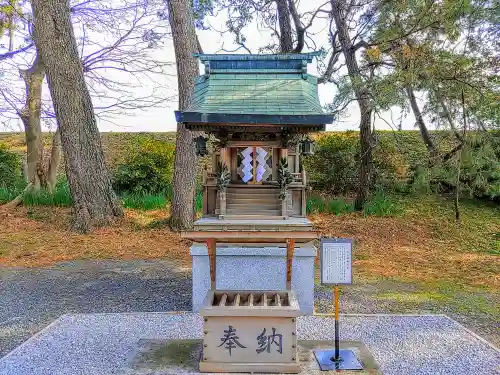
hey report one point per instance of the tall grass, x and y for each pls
(144, 202)
(381, 204)
(61, 197)
(156, 201)
(317, 204)
(339, 206)
(7, 194)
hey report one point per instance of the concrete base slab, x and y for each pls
(118, 344)
(181, 356)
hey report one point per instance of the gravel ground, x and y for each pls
(104, 344)
(478, 311)
(32, 298)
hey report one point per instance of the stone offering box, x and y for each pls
(250, 332)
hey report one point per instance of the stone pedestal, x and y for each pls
(257, 268)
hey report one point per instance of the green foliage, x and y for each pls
(223, 176)
(285, 178)
(382, 204)
(441, 49)
(144, 202)
(315, 204)
(9, 9)
(7, 194)
(148, 169)
(401, 164)
(61, 197)
(198, 200)
(10, 168)
(339, 206)
(333, 167)
(479, 166)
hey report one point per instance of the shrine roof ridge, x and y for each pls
(257, 57)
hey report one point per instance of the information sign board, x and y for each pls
(336, 261)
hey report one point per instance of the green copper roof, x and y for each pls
(274, 88)
(257, 93)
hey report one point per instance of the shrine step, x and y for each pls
(252, 194)
(268, 205)
(250, 211)
(252, 191)
(253, 200)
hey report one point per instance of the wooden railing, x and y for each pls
(208, 176)
(300, 177)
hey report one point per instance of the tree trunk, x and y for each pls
(94, 201)
(184, 181)
(420, 122)
(30, 116)
(362, 97)
(54, 162)
(449, 117)
(286, 40)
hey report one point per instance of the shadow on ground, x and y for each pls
(32, 298)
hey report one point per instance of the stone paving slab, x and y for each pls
(105, 344)
(181, 356)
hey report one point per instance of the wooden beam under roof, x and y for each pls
(250, 236)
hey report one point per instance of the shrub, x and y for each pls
(381, 204)
(315, 204)
(10, 168)
(333, 167)
(339, 206)
(148, 168)
(479, 171)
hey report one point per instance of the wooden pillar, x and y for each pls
(290, 247)
(225, 158)
(284, 208)
(212, 256)
(276, 156)
(303, 212)
(254, 169)
(284, 153)
(297, 159)
(233, 167)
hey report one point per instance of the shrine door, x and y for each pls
(255, 164)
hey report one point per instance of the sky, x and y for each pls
(162, 118)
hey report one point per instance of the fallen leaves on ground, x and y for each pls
(47, 239)
(412, 247)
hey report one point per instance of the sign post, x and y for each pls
(337, 340)
(336, 269)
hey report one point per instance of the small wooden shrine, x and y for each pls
(259, 108)
(258, 111)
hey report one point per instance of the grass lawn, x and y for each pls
(419, 260)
